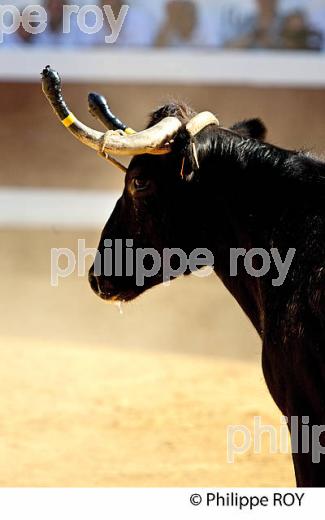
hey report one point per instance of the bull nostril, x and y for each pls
(93, 282)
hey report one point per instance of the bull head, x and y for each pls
(157, 209)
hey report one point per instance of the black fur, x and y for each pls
(245, 194)
(251, 128)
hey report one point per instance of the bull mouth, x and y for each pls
(118, 297)
(109, 293)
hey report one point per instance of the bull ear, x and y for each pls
(251, 128)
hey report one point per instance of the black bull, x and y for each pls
(225, 189)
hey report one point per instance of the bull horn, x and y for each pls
(98, 108)
(201, 121)
(155, 140)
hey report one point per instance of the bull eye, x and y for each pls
(140, 183)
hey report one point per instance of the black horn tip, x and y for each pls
(94, 97)
(46, 71)
(50, 79)
(96, 101)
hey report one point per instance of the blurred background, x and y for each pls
(90, 396)
(248, 24)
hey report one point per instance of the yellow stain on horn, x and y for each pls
(129, 131)
(68, 121)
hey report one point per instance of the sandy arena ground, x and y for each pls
(89, 397)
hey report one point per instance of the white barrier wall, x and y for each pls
(298, 69)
